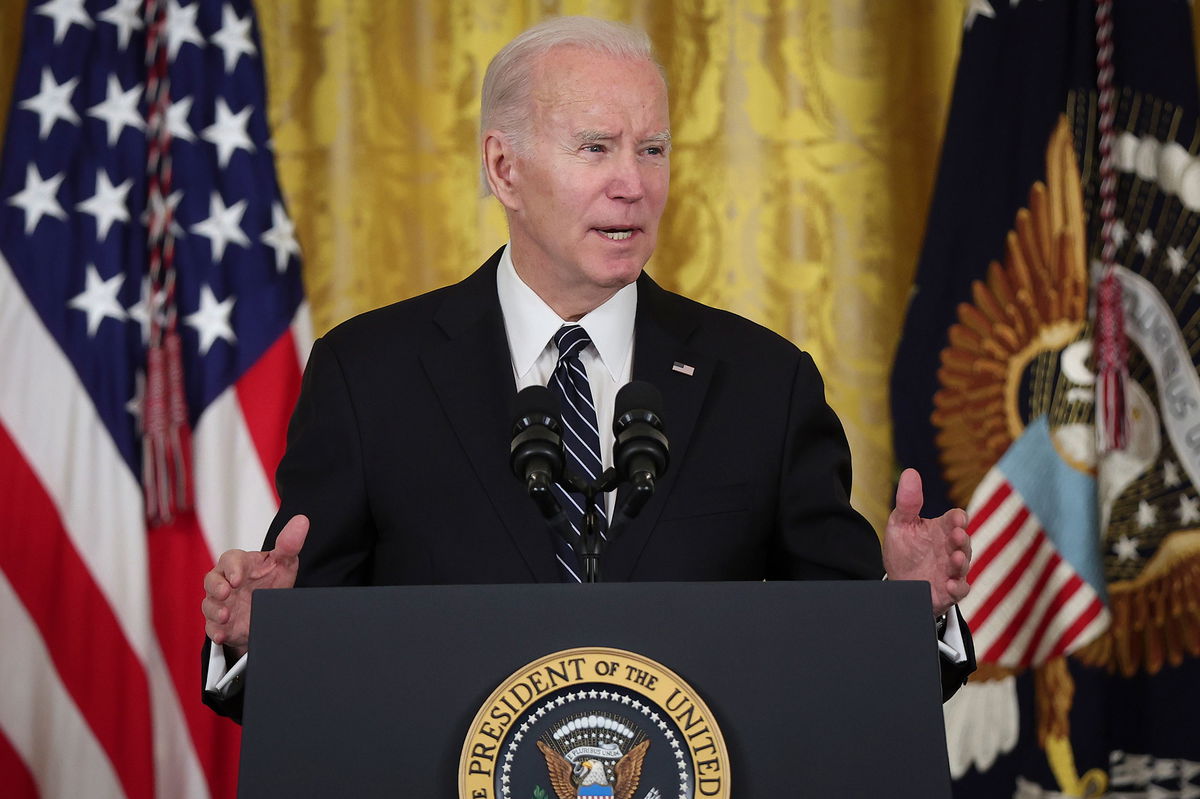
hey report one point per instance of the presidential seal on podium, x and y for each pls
(594, 722)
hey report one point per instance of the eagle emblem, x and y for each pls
(593, 722)
(1018, 363)
(585, 758)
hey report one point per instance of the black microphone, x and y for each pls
(640, 452)
(536, 452)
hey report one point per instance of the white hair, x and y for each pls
(505, 104)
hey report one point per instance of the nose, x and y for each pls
(627, 182)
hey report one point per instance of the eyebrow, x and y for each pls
(662, 137)
(589, 136)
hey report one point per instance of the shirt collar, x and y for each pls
(530, 323)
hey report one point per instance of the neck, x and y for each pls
(571, 303)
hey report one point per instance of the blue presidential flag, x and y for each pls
(1063, 239)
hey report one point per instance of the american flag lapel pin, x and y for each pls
(683, 368)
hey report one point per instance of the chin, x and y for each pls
(615, 279)
(617, 273)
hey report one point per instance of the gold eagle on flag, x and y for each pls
(1020, 351)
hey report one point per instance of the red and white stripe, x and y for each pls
(1027, 604)
(101, 619)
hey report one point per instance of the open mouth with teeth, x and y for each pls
(616, 233)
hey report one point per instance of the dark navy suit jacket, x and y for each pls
(398, 454)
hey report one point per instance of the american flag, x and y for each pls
(100, 627)
(1037, 583)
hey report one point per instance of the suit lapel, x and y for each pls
(662, 329)
(471, 372)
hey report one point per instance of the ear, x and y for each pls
(500, 168)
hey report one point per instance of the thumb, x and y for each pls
(909, 496)
(291, 538)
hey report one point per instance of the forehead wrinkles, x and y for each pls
(569, 77)
(581, 117)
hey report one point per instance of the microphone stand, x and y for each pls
(591, 544)
(588, 545)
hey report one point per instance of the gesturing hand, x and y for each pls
(238, 574)
(937, 551)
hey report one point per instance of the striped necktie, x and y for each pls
(581, 439)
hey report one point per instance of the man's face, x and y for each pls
(584, 203)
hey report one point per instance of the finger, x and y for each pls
(957, 590)
(223, 634)
(209, 608)
(234, 564)
(216, 624)
(291, 537)
(957, 517)
(909, 497)
(962, 539)
(215, 611)
(957, 540)
(216, 586)
(958, 565)
(216, 634)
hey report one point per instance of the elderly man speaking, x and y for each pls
(397, 469)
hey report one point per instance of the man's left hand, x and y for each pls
(937, 551)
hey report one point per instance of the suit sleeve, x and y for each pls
(322, 476)
(820, 536)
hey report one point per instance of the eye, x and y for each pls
(656, 150)
(593, 148)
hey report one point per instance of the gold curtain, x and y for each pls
(806, 138)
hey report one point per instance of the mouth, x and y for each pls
(616, 233)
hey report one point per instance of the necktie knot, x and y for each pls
(570, 340)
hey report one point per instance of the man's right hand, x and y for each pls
(238, 574)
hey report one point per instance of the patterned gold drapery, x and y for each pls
(806, 137)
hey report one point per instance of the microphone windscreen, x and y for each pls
(637, 396)
(536, 401)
